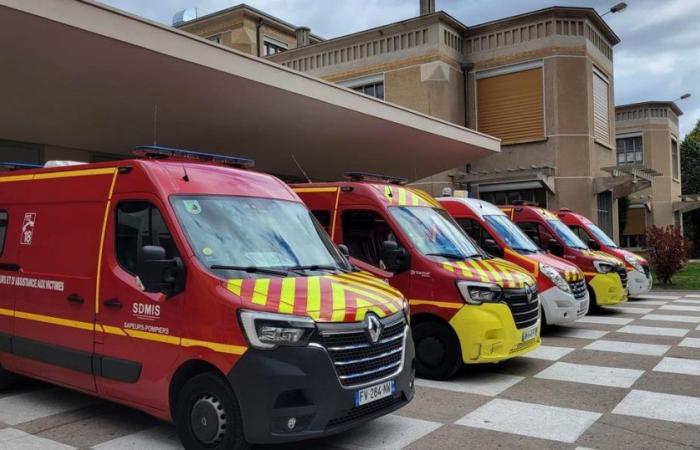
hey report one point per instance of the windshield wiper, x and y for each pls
(316, 267)
(251, 269)
(455, 256)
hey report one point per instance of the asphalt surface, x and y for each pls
(627, 377)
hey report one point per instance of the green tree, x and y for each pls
(690, 171)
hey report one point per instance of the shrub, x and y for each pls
(668, 251)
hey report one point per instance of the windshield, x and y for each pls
(514, 237)
(600, 235)
(566, 235)
(255, 235)
(434, 232)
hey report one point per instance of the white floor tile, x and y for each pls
(490, 384)
(21, 408)
(605, 320)
(13, 439)
(671, 318)
(163, 437)
(587, 374)
(580, 333)
(690, 342)
(528, 419)
(633, 348)
(687, 302)
(658, 296)
(646, 302)
(692, 296)
(388, 432)
(679, 365)
(680, 308)
(630, 309)
(549, 352)
(653, 405)
(654, 331)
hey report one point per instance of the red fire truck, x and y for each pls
(466, 307)
(186, 286)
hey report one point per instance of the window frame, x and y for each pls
(605, 79)
(273, 43)
(215, 38)
(361, 84)
(675, 160)
(625, 152)
(392, 227)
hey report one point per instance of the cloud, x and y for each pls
(658, 58)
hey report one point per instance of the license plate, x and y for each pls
(374, 393)
(530, 333)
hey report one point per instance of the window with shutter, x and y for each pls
(510, 106)
(601, 107)
(675, 169)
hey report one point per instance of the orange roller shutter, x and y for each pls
(601, 107)
(510, 106)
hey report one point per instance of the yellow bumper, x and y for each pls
(608, 289)
(487, 333)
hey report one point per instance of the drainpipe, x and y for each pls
(466, 67)
(257, 34)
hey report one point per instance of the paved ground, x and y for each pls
(628, 378)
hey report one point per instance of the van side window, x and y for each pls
(138, 224)
(324, 218)
(474, 230)
(3, 229)
(537, 233)
(581, 233)
(364, 233)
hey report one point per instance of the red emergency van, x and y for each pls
(638, 272)
(606, 275)
(561, 285)
(466, 307)
(186, 286)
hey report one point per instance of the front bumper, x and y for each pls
(274, 386)
(487, 333)
(638, 283)
(608, 289)
(562, 308)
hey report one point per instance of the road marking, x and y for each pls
(630, 310)
(690, 342)
(587, 374)
(490, 384)
(388, 432)
(580, 333)
(605, 320)
(671, 318)
(628, 347)
(646, 302)
(163, 437)
(14, 439)
(528, 419)
(679, 365)
(680, 308)
(21, 408)
(549, 353)
(687, 302)
(653, 405)
(692, 296)
(654, 331)
(658, 297)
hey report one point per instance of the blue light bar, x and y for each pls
(19, 166)
(155, 152)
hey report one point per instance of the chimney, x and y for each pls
(303, 36)
(427, 7)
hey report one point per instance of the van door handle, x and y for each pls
(75, 298)
(113, 303)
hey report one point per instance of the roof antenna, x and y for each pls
(155, 124)
(308, 180)
(185, 176)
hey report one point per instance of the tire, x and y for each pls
(545, 324)
(7, 379)
(207, 415)
(593, 306)
(438, 351)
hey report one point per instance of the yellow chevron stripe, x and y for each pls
(313, 297)
(220, 348)
(465, 269)
(480, 271)
(262, 285)
(402, 196)
(494, 272)
(338, 302)
(235, 286)
(287, 295)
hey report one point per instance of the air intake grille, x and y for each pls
(623, 276)
(578, 288)
(525, 312)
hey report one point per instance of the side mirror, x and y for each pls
(158, 274)
(555, 247)
(396, 259)
(593, 244)
(492, 248)
(344, 250)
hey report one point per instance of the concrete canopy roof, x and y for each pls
(82, 75)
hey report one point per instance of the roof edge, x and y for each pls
(670, 104)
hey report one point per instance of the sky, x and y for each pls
(658, 58)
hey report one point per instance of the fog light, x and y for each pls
(291, 423)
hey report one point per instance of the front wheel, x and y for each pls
(438, 352)
(207, 415)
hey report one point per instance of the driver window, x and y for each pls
(539, 234)
(581, 233)
(140, 223)
(474, 230)
(364, 233)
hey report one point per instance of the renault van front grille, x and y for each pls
(357, 359)
(526, 311)
(578, 288)
(622, 272)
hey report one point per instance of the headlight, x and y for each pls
(267, 330)
(406, 309)
(478, 293)
(555, 277)
(634, 262)
(603, 266)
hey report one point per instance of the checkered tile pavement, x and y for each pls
(628, 377)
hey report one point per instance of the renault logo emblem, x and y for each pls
(529, 292)
(374, 327)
